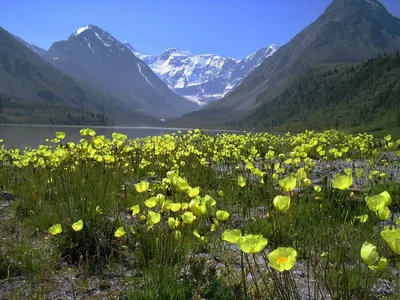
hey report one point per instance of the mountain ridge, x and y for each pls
(35, 91)
(93, 55)
(357, 97)
(347, 31)
(202, 78)
(38, 50)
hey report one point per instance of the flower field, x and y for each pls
(198, 216)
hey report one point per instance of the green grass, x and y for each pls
(164, 242)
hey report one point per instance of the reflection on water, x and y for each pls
(21, 136)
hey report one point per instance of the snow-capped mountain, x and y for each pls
(32, 46)
(93, 55)
(202, 77)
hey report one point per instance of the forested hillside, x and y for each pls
(362, 96)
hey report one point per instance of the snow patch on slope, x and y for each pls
(195, 100)
(107, 44)
(90, 47)
(82, 29)
(140, 70)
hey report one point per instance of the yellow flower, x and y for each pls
(119, 232)
(87, 131)
(135, 209)
(161, 198)
(288, 184)
(378, 202)
(77, 226)
(193, 192)
(317, 188)
(151, 202)
(98, 158)
(173, 223)
(188, 217)
(383, 214)
(197, 234)
(231, 235)
(392, 237)
(241, 181)
(361, 219)
(55, 229)
(252, 243)
(154, 217)
(222, 215)
(142, 186)
(210, 201)
(307, 182)
(60, 135)
(282, 259)
(282, 203)
(180, 183)
(381, 265)
(99, 210)
(369, 254)
(174, 207)
(342, 182)
(197, 206)
(108, 158)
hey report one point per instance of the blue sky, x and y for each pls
(232, 28)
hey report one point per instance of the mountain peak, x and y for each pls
(84, 28)
(89, 33)
(348, 31)
(369, 5)
(80, 30)
(174, 51)
(88, 28)
(372, 15)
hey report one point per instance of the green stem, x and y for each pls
(243, 275)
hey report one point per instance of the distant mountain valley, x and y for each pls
(93, 78)
(202, 78)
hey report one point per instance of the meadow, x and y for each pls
(191, 215)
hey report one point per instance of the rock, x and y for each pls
(6, 197)
(299, 273)
(383, 287)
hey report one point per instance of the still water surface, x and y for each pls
(21, 136)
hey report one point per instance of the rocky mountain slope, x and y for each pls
(96, 57)
(34, 91)
(32, 46)
(348, 31)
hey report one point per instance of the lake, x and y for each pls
(21, 136)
